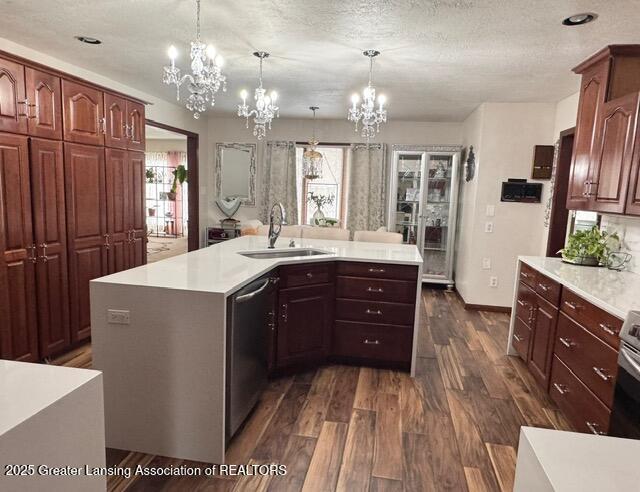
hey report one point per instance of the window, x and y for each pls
(330, 185)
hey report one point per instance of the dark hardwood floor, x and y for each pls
(454, 427)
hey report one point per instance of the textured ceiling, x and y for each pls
(440, 58)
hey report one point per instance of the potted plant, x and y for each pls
(590, 247)
(151, 211)
(319, 201)
(150, 175)
(179, 176)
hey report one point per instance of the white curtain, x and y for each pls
(366, 207)
(279, 180)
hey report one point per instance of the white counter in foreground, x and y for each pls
(551, 460)
(50, 416)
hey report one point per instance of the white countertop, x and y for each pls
(575, 462)
(615, 292)
(220, 269)
(26, 389)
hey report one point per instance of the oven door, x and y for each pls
(625, 415)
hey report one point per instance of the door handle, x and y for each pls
(102, 125)
(106, 241)
(25, 103)
(285, 312)
(44, 256)
(32, 253)
(251, 295)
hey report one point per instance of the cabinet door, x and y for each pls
(87, 238)
(118, 209)
(47, 189)
(116, 121)
(136, 122)
(542, 341)
(18, 326)
(83, 113)
(45, 104)
(13, 104)
(592, 92)
(305, 319)
(136, 181)
(633, 193)
(610, 177)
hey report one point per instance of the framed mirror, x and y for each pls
(235, 175)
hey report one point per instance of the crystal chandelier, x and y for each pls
(371, 118)
(311, 158)
(266, 108)
(205, 78)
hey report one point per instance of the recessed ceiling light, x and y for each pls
(88, 39)
(579, 19)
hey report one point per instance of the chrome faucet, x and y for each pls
(274, 232)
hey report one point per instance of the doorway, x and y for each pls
(171, 176)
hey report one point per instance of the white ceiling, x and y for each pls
(440, 58)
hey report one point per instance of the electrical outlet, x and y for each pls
(488, 227)
(493, 281)
(491, 210)
(118, 317)
(486, 263)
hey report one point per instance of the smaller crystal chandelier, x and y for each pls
(311, 158)
(266, 108)
(371, 118)
(205, 78)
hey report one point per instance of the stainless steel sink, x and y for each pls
(282, 253)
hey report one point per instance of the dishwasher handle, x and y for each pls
(259, 290)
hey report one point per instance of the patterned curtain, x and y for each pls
(366, 207)
(279, 180)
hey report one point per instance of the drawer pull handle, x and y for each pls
(543, 287)
(371, 342)
(562, 389)
(376, 270)
(523, 303)
(517, 337)
(601, 374)
(309, 275)
(566, 342)
(572, 305)
(607, 329)
(372, 289)
(525, 275)
(593, 427)
(377, 312)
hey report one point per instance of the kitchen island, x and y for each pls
(160, 331)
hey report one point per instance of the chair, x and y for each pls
(287, 230)
(378, 237)
(334, 233)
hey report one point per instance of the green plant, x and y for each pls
(320, 200)
(590, 244)
(150, 175)
(179, 176)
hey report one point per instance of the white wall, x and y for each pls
(232, 129)
(507, 133)
(166, 145)
(566, 113)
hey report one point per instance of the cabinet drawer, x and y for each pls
(548, 289)
(377, 270)
(372, 341)
(392, 313)
(376, 289)
(305, 274)
(584, 410)
(599, 322)
(528, 275)
(525, 303)
(592, 360)
(521, 338)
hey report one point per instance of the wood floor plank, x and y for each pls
(327, 457)
(476, 481)
(490, 377)
(253, 483)
(315, 407)
(503, 459)
(557, 419)
(417, 474)
(367, 389)
(452, 373)
(429, 377)
(385, 485)
(355, 472)
(296, 458)
(495, 352)
(387, 460)
(470, 443)
(344, 391)
(471, 336)
(444, 455)
(389, 382)
(413, 406)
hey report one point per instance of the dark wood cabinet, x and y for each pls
(13, 100)
(135, 126)
(116, 134)
(83, 113)
(50, 239)
(633, 194)
(118, 209)
(88, 240)
(542, 340)
(45, 104)
(137, 221)
(18, 330)
(304, 324)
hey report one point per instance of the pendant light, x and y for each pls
(311, 158)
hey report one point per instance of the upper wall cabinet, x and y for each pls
(135, 126)
(13, 102)
(83, 113)
(115, 109)
(605, 163)
(45, 104)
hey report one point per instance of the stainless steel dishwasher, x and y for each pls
(250, 320)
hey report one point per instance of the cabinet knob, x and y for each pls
(309, 275)
(44, 256)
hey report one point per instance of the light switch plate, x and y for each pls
(486, 263)
(491, 210)
(488, 227)
(493, 281)
(118, 316)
